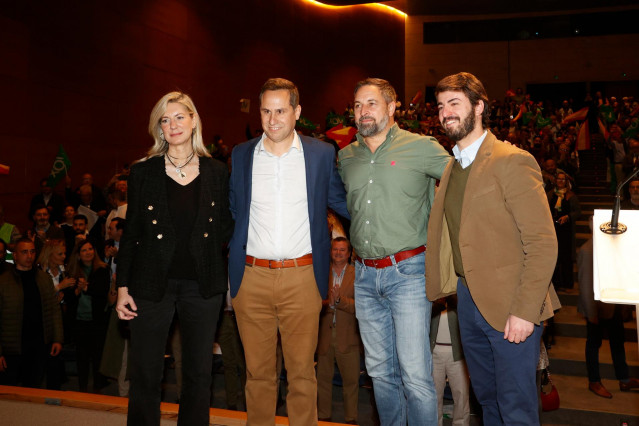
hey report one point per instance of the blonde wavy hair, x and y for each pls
(160, 146)
(47, 251)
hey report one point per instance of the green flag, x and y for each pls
(543, 122)
(608, 113)
(333, 120)
(305, 123)
(632, 130)
(60, 167)
(411, 124)
(526, 117)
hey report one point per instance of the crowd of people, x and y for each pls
(108, 271)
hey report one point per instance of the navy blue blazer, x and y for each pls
(324, 189)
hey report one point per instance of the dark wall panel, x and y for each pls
(85, 74)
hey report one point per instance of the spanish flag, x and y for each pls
(576, 116)
(522, 111)
(603, 130)
(342, 135)
(4, 170)
(583, 137)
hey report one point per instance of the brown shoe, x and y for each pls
(630, 384)
(598, 389)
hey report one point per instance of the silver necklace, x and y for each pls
(178, 169)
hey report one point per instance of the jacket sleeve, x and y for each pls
(99, 283)
(133, 232)
(346, 304)
(527, 202)
(54, 311)
(2, 303)
(337, 193)
(226, 218)
(347, 293)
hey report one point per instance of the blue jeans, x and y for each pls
(394, 322)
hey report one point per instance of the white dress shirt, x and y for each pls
(279, 227)
(468, 154)
(120, 212)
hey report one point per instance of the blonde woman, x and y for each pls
(51, 261)
(171, 259)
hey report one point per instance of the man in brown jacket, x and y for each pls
(491, 239)
(338, 337)
(30, 320)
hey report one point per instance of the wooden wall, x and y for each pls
(85, 74)
(578, 59)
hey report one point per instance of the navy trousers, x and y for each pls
(502, 373)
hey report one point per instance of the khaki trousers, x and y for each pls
(286, 299)
(348, 365)
(444, 365)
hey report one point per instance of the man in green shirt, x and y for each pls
(389, 175)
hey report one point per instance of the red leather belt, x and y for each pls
(385, 262)
(307, 259)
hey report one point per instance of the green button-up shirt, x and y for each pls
(389, 192)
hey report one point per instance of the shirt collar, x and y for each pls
(468, 154)
(391, 134)
(297, 144)
(43, 228)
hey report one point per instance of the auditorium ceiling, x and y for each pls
(478, 7)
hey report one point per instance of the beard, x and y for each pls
(371, 129)
(463, 130)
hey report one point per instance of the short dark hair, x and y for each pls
(24, 240)
(342, 240)
(388, 91)
(471, 87)
(38, 207)
(282, 84)
(81, 217)
(120, 223)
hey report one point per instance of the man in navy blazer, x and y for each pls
(281, 185)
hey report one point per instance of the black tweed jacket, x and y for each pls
(148, 242)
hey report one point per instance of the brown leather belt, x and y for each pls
(385, 262)
(307, 259)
